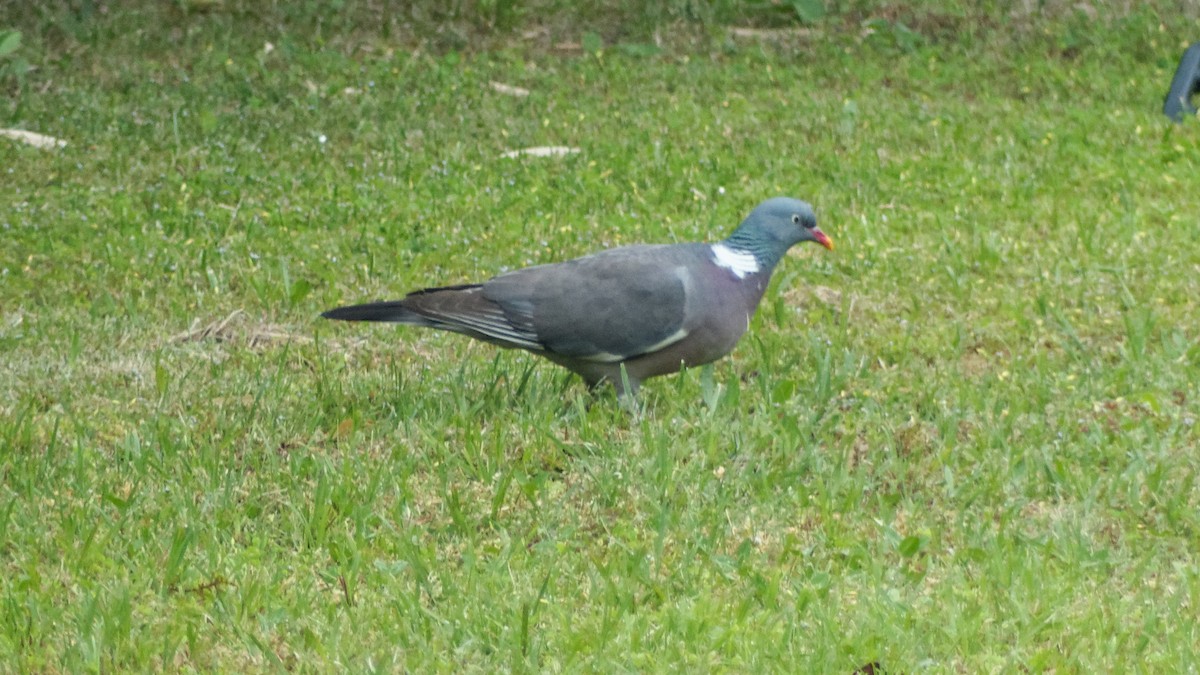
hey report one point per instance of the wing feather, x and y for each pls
(464, 309)
(606, 307)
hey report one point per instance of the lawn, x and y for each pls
(964, 441)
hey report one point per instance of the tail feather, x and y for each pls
(460, 309)
(392, 311)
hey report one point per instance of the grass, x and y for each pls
(963, 441)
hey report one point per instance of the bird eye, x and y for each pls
(796, 218)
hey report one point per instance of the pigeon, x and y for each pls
(625, 314)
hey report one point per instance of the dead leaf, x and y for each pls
(508, 89)
(36, 140)
(770, 33)
(541, 151)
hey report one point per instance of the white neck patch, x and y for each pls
(741, 263)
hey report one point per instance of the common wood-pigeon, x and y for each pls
(645, 310)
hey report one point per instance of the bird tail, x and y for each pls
(410, 310)
(391, 311)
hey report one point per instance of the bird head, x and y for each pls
(773, 227)
(786, 222)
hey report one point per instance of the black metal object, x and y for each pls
(1186, 83)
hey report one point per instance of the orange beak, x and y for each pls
(822, 238)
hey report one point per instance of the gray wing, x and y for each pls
(610, 306)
